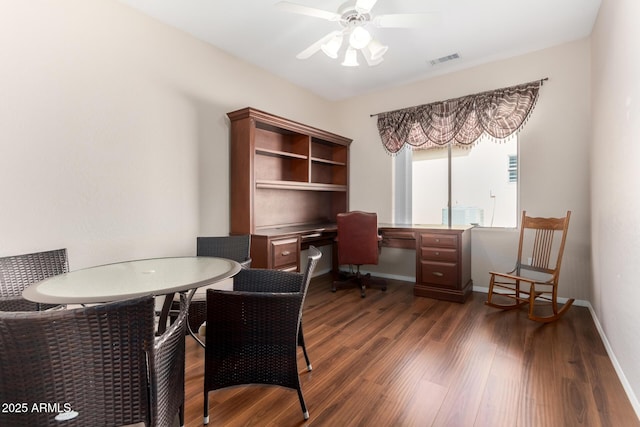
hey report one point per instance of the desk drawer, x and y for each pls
(392, 234)
(439, 240)
(439, 254)
(284, 253)
(398, 239)
(439, 273)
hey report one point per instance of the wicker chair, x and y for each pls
(252, 335)
(91, 366)
(231, 247)
(167, 371)
(272, 281)
(19, 271)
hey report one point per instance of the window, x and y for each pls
(483, 189)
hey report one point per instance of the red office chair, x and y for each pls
(358, 244)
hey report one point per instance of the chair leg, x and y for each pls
(512, 294)
(206, 408)
(361, 281)
(181, 415)
(305, 411)
(532, 299)
(554, 305)
(304, 348)
(340, 279)
(490, 293)
(369, 282)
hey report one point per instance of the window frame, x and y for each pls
(403, 187)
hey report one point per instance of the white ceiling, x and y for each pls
(478, 30)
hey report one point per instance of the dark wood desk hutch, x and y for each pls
(288, 183)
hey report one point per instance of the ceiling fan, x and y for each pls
(354, 16)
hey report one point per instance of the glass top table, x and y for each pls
(130, 279)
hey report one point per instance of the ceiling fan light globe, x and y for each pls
(350, 58)
(331, 54)
(376, 49)
(332, 47)
(370, 60)
(359, 38)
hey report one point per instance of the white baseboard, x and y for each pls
(623, 379)
(321, 272)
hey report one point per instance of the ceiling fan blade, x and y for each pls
(365, 6)
(317, 45)
(309, 11)
(406, 20)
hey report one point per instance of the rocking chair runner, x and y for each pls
(534, 278)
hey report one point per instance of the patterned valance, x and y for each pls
(461, 121)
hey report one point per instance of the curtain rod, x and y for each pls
(541, 83)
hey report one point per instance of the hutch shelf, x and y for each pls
(288, 183)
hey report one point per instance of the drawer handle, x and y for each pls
(437, 274)
(286, 253)
(437, 254)
(438, 240)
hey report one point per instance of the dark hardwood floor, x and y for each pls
(392, 359)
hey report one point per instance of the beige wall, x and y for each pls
(114, 144)
(554, 155)
(113, 131)
(615, 199)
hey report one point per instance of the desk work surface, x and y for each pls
(332, 227)
(112, 282)
(301, 229)
(395, 235)
(396, 225)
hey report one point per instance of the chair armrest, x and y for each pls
(259, 280)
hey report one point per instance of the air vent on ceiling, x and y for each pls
(444, 59)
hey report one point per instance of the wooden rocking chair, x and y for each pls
(534, 279)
